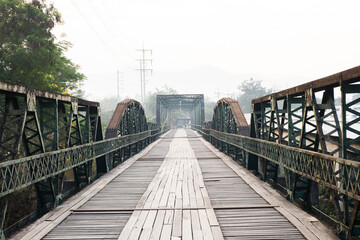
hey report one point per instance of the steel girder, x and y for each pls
(42, 135)
(228, 118)
(34, 122)
(306, 117)
(192, 103)
(128, 118)
(316, 166)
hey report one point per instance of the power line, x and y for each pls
(93, 29)
(108, 29)
(143, 70)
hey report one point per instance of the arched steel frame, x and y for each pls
(300, 136)
(229, 118)
(128, 118)
(43, 135)
(35, 122)
(306, 117)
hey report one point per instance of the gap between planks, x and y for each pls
(174, 208)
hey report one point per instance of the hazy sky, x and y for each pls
(209, 46)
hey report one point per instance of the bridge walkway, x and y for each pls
(180, 187)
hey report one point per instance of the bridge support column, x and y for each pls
(3, 210)
(49, 193)
(82, 174)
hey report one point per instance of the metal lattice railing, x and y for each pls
(19, 173)
(336, 173)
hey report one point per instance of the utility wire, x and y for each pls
(93, 29)
(108, 29)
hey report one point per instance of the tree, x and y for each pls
(29, 55)
(150, 104)
(209, 109)
(250, 89)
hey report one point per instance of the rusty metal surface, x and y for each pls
(347, 76)
(18, 89)
(117, 117)
(236, 111)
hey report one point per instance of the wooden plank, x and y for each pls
(212, 217)
(165, 195)
(205, 225)
(148, 225)
(136, 229)
(216, 231)
(166, 232)
(125, 233)
(186, 225)
(161, 188)
(185, 189)
(195, 224)
(158, 225)
(154, 191)
(206, 198)
(177, 226)
(178, 194)
(153, 184)
(169, 217)
(199, 183)
(191, 184)
(172, 193)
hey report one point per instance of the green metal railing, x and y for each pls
(336, 173)
(20, 173)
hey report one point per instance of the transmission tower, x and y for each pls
(145, 67)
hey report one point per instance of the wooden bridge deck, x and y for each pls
(180, 187)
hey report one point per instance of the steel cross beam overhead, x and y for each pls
(191, 103)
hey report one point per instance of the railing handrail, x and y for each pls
(36, 168)
(310, 162)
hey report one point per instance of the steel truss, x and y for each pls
(192, 103)
(35, 122)
(308, 119)
(227, 118)
(128, 118)
(42, 135)
(299, 135)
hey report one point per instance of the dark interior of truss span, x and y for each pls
(192, 103)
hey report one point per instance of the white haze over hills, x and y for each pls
(209, 80)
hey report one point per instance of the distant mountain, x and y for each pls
(208, 80)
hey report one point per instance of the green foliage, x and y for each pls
(209, 109)
(250, 89)
(150, 104)
(326, 204)
(29, 55)
(108, 106)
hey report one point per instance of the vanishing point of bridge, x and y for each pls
(211, 181)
